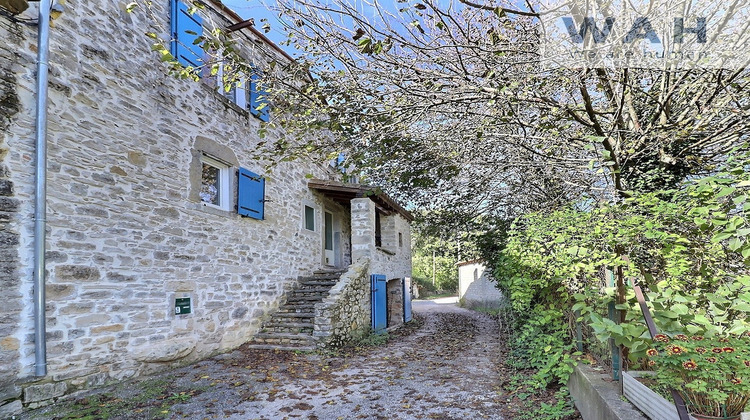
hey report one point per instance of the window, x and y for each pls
(378, 232)
(338, 163)
(214, 190)
(309, 218)
(237, 92)
(400, 240)
(186, 29)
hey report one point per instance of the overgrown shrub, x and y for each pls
(688, 248)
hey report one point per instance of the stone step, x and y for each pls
(297, 307)
(320, 277)
(276, 315)
(284, 338)
(280, 348)
(305, 298)
(307, 290)
(304, 284)
(288, 324)
(329, 271)
(287, 330)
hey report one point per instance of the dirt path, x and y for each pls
(442, 367)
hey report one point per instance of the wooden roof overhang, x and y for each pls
(343, 193)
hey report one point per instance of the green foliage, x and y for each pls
(372, 340)
(687, 247)
(446, 274)
(438, 247)
(560, 408)
(539, 341)
(153, 399)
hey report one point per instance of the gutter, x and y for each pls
(40, 195)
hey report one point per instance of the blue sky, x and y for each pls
(259, 9)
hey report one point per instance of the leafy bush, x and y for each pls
(688, 248)
(540, 341)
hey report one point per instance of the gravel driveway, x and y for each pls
(440, 367)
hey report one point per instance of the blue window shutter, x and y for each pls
(251, 190)
(258, 97)
(186, 28)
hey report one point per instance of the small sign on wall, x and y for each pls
(182, 306)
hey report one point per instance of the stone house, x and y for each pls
(163, 240)
(476, 288)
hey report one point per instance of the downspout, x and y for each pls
(40, 197)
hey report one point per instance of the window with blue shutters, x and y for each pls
(251, 190)
(186, 32)
(259, 105)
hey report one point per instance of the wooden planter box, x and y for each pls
(653, 405)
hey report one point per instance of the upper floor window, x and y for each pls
(247, 94)
(236, 90)
(338, 162)
(214, 189)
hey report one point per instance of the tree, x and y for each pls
(448, 105)
(450, 101)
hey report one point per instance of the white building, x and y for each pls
(476, 288)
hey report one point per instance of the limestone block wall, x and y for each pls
(393, 257)
(127, 232)
(395, 302)
(476, 286)
(344, 315)
(11, 310)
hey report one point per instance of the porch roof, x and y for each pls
(343, 193)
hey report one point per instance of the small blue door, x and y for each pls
(406, 282)
(378, 297)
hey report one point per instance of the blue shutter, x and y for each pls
(378, 300)
(186, 29)
(251, 190)
(258, 97)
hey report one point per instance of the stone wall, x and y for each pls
(395, 302)
(344, 315)
(13, 292)
(127, 234)
(392, 258)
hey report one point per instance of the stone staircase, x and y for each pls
(291, 327)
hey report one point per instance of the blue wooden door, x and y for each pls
(378, 299)
(406, 282)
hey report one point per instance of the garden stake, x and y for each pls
(579, 333)
(612, 346)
